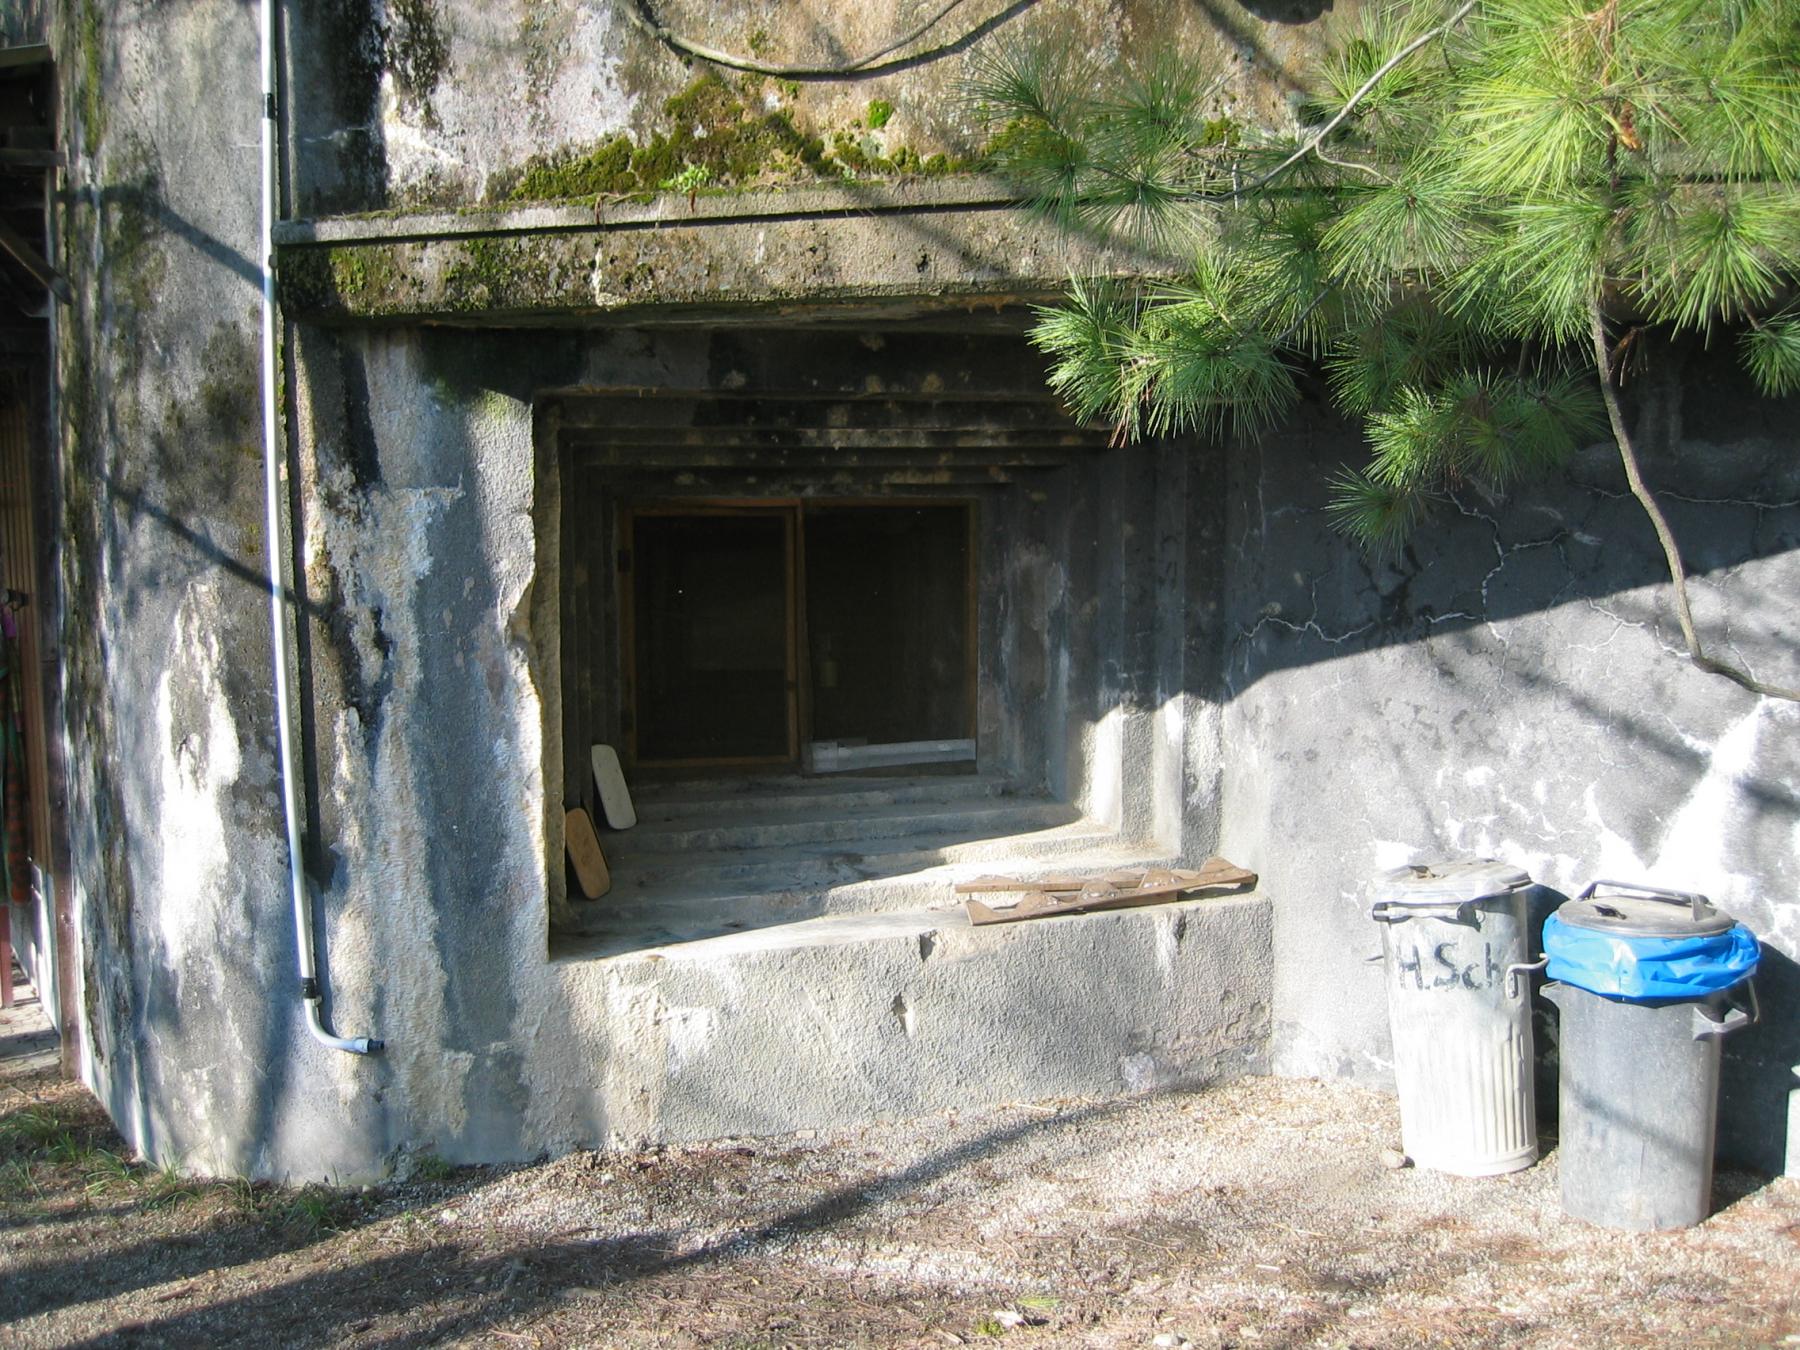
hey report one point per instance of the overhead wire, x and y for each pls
(874, 63)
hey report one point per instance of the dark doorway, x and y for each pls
(713, 628)
(887, 623)
(755, 630)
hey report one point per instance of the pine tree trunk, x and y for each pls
(1684, 613)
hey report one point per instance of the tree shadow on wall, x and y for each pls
(1299, 594)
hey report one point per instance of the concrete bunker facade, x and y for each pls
(1167, 653)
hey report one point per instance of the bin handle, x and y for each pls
(1522, 967)
(1705, 1029)
(1693, 899)
(1389, 911)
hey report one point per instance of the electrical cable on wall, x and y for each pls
(875, 63)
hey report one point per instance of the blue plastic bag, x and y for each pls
(1646, 969)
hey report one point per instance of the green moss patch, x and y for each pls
(717, 139)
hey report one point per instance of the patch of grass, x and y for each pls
(93, 75)
(717, 136)
(430, 1167)
(65, 1150)
(103, 1169)
(17, 1181)
(33, 1129)
(314, 1209)
(167, 1187)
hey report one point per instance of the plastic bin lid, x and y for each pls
(1449, 883)
(1623, 910)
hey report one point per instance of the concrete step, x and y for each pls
(852, 1017)
(716, 799)
(819, 866)
(841, 822)
(631, 919)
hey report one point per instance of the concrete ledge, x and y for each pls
(876, 197)
(944, 241)
(861, 1017)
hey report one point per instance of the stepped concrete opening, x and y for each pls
(777, 553)
(880, 549)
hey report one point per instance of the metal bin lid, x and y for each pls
(1626, 910)
(1449, 883)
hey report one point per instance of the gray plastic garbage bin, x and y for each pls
(1648, 983)
(1455, 946)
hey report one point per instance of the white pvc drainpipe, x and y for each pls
(310, 992)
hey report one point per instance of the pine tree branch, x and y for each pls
(1665, 536)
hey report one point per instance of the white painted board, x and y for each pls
(615, 797)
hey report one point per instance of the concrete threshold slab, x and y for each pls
(845, 1018)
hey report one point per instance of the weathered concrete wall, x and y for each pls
(1506, 688)
(25, 22)
(174, 812)
(1511, 687)
(443, 102)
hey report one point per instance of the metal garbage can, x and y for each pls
(1456, 949)
(1648, 982)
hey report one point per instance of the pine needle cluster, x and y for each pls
(1478, 187)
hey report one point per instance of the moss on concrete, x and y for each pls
(90, 92)
(229, 398)
(416, 50)
(719, 137)
(136, 263)
(507, 272)
(364, 280)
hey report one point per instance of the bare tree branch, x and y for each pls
(1313, 142)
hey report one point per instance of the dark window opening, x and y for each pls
(713, 639)
(788, 633)
(887, 620)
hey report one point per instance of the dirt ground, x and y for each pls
(1258, 1213)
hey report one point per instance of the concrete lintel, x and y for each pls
(668, 208)
(940, 242)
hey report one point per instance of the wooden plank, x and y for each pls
(591, 872)
(832, 757)
(1051, 885)
(615, 797)
(1157, 886)
(683, 409)
(799, 459)
(828, 483)
(16, 158)
(716, 439)
(25, 54)
(1211, 868)
(792, 603)
(34, 262)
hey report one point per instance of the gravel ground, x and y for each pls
(1257, 1213)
